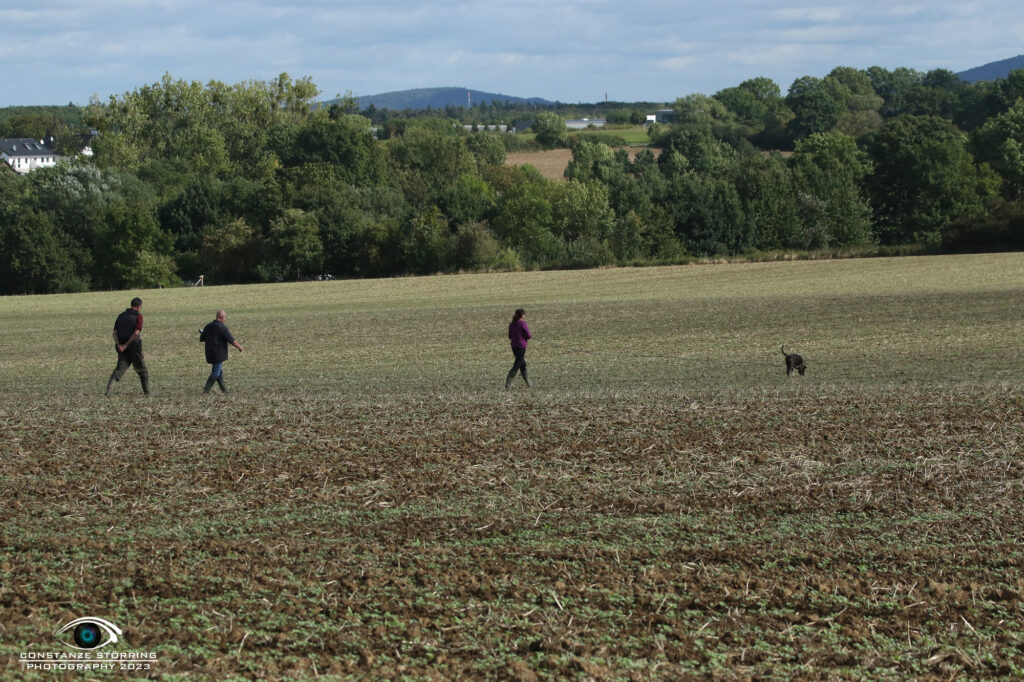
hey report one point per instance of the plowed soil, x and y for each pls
(658, 506)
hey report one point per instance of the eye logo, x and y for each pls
(89, 633)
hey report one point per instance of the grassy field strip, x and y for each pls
(917, 312)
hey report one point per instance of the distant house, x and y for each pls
(522, 126)
(664, 115)
(583, 123)
(496, 127)
(24, 155)
(84, 142)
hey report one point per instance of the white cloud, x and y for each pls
(677, 63)
(570, 50)
(813, 14)
(901, 10)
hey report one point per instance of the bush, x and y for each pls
(487, 148)
(586, 252)
(474, 246)
(610, 139)
(1001, 229)
(506, 260)
(152, 271)
(520, 143)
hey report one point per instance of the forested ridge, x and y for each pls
(255, 182)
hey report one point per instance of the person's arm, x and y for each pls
(230, 338)
(131, 339)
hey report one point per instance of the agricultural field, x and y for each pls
(551, 163)
(635, 136)
(664, 503)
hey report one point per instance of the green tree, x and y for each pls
(817, 105)
(190, 126)
(153, 270)
(924, 178)
(695, 151)
(193, 211)
(344, 142)
(895, 87)
(765, 187)
(229, 252)
(428, 163)
(708, 214)
(76, 196)
(757, 103)
(580, 210)
(487, 149)
(551, 130)
(588, 158)
(423, 242)
(1000, 143)
(474, 246)
(295, 249)
(470, 199)
(828, 175)
(863, 104)
(130, 238)
(702, 115)
(523, 219)
(359, 230)
(34, 257)
(32, 125)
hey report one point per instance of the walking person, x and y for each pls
(217, 336)
(519, 334)
(128, 344)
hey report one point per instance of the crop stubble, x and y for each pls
(665, 502)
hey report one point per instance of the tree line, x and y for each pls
(255, 182)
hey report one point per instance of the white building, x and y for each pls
(24, 155)
(583, 123)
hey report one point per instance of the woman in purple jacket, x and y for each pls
(518, 334)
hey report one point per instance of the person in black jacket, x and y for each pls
(217, 336)
(128, 344)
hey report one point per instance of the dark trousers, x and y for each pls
(519, 365)
(130, 357)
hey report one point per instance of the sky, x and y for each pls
(64, 51)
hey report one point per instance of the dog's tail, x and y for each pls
(784, 349)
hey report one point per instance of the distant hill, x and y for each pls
(992, 70)
(439, 98)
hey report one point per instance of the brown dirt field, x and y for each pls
(552, 162)
(453, 540)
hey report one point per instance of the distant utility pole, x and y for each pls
(469, 99)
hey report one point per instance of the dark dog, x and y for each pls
(794, 361)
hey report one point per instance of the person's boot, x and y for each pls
(209, 385)
(223, 388)
(526, 378)
(110, 384)
(145, 385)
(508, 379)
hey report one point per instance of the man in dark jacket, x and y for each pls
(128, 344)
(217, 336)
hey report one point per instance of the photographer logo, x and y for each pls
(87, 633)
(87, 638)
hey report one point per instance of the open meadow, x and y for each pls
(551, 163)
(664, 503)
